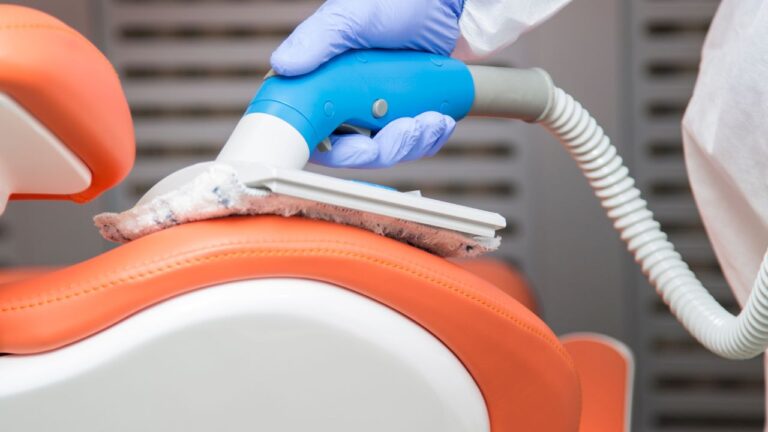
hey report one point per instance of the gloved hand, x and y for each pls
(341, 25)
(402, 140)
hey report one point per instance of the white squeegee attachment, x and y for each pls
(371, 199)
(219, 190)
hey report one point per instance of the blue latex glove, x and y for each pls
(341, 25)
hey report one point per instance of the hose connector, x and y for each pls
(525, 94)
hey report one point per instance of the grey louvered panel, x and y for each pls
(7, 255)
(670, 208)
(697, 401)
(685, 233)
(699, 420)
(180, 133)
(667, 327)
(678, 10)
(682, 386)
(197, 53)
(679, 48)
(651, 132)
(263, 15)
(731, 428)
(667, 206)
(674, 88)
(702, 420)
(424, 172)
(437, 171)
(671, 171)
(472, 133)
(212, 92)
(679, 367)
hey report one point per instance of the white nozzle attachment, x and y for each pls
(266, 139)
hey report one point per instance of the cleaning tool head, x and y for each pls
(259, 170)
(218, 190)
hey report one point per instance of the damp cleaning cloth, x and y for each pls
(218, 192)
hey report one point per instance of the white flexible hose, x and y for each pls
(741, 337)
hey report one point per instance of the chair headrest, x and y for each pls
(68, 87)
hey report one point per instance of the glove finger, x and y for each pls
(435, 129)
(395, 141)
(402, 140)
(315, 41)
(407, 139)
(348, 151)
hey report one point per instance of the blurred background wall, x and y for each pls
(189, 68)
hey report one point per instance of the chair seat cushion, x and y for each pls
(526, 376)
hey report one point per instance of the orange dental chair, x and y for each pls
(257, 323)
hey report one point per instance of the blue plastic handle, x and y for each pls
(344, 90)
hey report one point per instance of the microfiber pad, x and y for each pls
(217, 192)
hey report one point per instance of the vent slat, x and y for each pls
(183, 132)
(207, 92)
(268, 14)
(697, 402)
(667, 88)
(213, 54)
(705, 365)
(682, 10)
(421, 173)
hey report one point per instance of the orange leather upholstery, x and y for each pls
(504, 277)
(9, 275)
(526, 376)
(63, 80)
(606, 369)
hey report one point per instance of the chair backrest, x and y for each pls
(66, 124)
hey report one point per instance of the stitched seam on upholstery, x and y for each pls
(261, 242)
(309, 252)
(208, 248)
(178, 255)
(250, 241)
